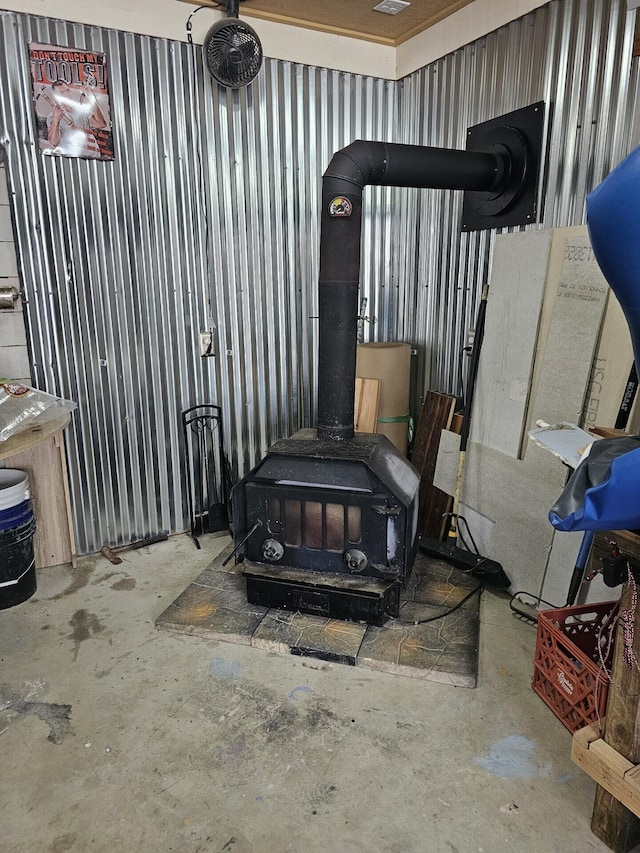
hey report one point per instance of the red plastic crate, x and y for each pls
(567, 661)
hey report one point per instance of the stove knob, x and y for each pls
(272, 550)
(356, 560)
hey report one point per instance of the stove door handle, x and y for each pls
(240, 544)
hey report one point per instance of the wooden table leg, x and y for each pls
(612, 822)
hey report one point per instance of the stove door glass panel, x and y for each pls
(317, 533)
(354, 524)
(292, 523)
(335, 527)
(274, 521)
(313, 525)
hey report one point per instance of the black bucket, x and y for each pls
(17, 559)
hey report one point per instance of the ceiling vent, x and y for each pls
(391, 7)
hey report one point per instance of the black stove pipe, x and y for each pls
(350, 170)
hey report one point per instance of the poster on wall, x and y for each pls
(71, 100)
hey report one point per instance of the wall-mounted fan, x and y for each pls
(232, 50)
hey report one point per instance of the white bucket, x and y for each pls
(14, 487)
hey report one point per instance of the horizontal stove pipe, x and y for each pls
(350, 170)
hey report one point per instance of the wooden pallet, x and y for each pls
(613, 772)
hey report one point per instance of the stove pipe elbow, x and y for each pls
(350, 170)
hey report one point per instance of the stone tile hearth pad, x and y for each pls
(416, 644)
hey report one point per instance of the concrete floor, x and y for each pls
(117, 737)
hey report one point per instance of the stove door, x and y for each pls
(329, 531)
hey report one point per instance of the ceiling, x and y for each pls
(352, 18)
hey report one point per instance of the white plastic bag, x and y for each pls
(23, 408)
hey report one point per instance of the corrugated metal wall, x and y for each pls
(576, 55)
(209, 214)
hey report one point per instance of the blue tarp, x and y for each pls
(604, 490)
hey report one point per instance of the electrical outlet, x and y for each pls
(206, 344)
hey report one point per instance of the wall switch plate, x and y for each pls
(206, 344)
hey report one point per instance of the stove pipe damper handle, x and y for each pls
(386, 164)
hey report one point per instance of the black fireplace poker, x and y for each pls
(499, 178)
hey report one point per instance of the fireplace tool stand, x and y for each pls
(209, 481)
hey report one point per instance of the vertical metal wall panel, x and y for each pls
(209, 217)
(576, 55)
(266, 151)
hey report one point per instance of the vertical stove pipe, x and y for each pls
(350, 170)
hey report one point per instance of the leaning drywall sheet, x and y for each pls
(573, 333)
(518, 276)
(514, 496)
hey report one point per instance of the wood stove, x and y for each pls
(327, 522)
(333, 526)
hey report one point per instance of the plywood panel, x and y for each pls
(366, 404)
(355, 19)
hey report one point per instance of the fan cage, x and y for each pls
(233, 53)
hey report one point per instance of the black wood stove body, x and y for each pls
(327, 522)
(334, 526)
